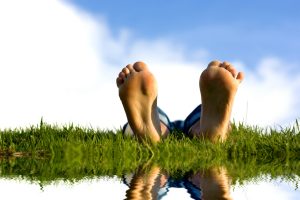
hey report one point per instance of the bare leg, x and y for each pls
(218, 85)
(138, 93)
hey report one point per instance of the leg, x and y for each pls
(138, 94)
(218, 85)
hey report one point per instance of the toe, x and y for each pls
(122, 75)
(214, 63)
(119, 81)
(225, 64)
(229, 68)
(126, 71)
(139, 66)
(130, 68)
(240, 77)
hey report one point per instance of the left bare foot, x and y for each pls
(138, 93)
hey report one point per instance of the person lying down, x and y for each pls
(218, 85)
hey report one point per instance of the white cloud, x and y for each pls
(269, 95)
(60, 63)
(49, 61)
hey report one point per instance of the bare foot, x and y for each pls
(218, 85)
(138, 93)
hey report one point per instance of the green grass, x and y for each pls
(47, 153)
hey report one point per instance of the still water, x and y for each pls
(153, 183)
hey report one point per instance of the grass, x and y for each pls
(46, 153)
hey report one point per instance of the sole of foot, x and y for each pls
(218, 85)
(138, 94)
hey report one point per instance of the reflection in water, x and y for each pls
(154, 183)
(206, 180)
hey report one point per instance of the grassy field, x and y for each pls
(46, 153)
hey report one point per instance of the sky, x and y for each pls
(59, 58)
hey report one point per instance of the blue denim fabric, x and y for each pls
(179, 125)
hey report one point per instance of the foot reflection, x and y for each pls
(151, 182)
(213, 182)
(146, 183)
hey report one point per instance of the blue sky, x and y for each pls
(228, 30)
(59, 59)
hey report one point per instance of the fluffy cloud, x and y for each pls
(269, 94)
(49, 59)
(60, 63)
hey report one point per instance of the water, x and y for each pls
(147, 182)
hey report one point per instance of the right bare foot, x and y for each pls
(213, 182)
(218, 85)
(138, 93)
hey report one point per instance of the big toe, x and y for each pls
(214, 63)
(140, 66)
